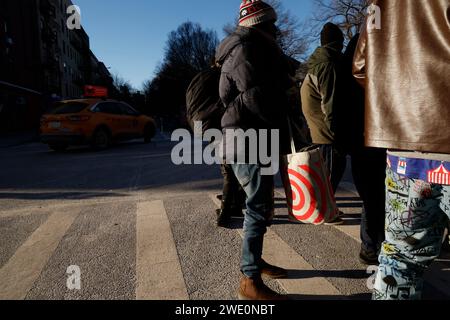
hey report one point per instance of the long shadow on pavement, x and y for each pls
(300, 297)
(57, 195)
(348, 274)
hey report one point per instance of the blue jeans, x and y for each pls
(417, 213)
(260, 210)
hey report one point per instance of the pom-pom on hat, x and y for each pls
(254, 12)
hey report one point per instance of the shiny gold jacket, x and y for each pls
(403, 60)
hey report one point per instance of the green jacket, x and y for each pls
(319, 94)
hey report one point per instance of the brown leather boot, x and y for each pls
(273, 272)
(255, 289)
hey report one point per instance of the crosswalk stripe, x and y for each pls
(353, 231)
(278, 252)
(346, 189)
(19, 274)
(158, 270)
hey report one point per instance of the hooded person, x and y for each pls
(253, 88)
(321, 100)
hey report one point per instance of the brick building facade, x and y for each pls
(40, 55)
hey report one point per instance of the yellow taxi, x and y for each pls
(96, 122)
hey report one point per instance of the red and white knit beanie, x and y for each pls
(254, 12)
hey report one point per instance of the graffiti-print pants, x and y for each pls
(417, 214)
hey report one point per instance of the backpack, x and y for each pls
(203, 101)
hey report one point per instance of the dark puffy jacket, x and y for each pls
(254, 81)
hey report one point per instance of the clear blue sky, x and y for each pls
(129, 36)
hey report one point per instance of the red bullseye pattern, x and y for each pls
(310, 194)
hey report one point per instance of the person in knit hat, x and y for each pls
(253, 86)
(255, 12)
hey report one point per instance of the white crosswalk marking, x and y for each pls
(278, 252)
(158, 270)
(348, 190)
(21, 271)
(159, 275)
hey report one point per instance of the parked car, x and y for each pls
(94, 122)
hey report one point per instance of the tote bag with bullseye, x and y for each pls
(312, 200)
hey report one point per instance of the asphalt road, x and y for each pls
(139, 227)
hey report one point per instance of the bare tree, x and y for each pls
(189, 50)
(349, 15)
(192, 46)
(146, 85)
(124, 88)
(119, 81)
(292, 38)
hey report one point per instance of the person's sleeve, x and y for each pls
(327, 87)
(359, 60)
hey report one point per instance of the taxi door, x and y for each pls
(131, 121)
(110, 114)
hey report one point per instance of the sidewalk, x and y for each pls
(16, 139)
